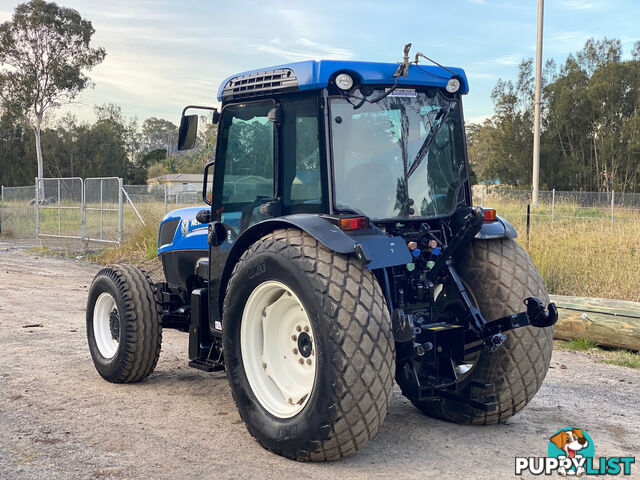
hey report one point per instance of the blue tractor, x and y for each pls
(339, 251)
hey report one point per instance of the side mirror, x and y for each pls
(188, 132)
(204, 216)
(217, 234)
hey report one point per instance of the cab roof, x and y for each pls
(311, 74)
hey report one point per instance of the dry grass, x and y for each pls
(585, 256)
(140, 242)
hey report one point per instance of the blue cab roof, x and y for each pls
(313, 74)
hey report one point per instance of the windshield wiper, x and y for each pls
(424, 148)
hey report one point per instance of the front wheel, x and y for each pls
(308, 348)
(124, 330)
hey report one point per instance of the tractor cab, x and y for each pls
(338, 138)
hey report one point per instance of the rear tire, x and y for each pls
(350, 333)
(500, 275)
(124, 330)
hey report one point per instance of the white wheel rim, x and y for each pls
(105, 325)
(278, 349)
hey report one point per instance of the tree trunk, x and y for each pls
(610, 323)
(36, 132)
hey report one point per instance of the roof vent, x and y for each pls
(254, 84)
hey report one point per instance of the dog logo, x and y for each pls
(572, 443)
(571, 452)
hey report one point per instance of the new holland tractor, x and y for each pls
(339, 251)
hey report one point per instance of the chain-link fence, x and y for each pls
(18, 211)
(162, 197)
(561, 206)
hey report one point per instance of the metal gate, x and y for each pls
(88, 210)
(103, 209)
(60, 207)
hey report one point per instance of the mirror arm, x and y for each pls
(216, 115)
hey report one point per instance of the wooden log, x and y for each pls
(609, 323)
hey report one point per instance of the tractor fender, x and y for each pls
(374, 248)
(498, 229)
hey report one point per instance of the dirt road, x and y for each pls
(59, 419)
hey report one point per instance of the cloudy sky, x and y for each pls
(162, 55)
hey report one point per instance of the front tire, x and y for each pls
(324, 397)
(124, 330)
(500, 275)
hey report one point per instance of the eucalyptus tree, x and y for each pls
(45, 53)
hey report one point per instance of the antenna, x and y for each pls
(403, 68)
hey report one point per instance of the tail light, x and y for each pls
(353, 223)
(490, 214)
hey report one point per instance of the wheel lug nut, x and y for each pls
(301, 361)
(308, 361)
(295, 351)
(294, 337)
(306, 328)
(298, 328)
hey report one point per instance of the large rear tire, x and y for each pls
(124, 330)
(308, 347)
(500, 275)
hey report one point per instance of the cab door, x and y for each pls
(243, 180)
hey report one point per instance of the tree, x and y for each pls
(45, 52)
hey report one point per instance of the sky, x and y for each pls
(163, 55)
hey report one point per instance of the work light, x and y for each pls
(344, 81)
(453, 85)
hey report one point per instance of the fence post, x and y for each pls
(482, 201)
(120, 219)
(165, 198)
(83, 210)
(2, 210)
(528, 222)
(612, 207)
(37, 209)
(59, 215)
(553, 205)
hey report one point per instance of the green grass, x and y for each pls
(581, 344)
(622, 358)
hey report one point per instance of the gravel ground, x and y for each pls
(59, 419)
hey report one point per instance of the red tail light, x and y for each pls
(490, 215)
(353, 223)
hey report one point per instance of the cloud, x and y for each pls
(508, 60)
(580, 5)
(304, 49)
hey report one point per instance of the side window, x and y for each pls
(306, 184)
(301, 156)
(248, 159)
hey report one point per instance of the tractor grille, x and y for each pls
(254, 84)
(167, 231)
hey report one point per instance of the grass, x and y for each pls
(140, 242)
(622, 358)
(578, 252)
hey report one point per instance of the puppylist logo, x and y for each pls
(571, 452)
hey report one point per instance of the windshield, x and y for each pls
(401, 157)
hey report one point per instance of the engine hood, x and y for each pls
(179, 230)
